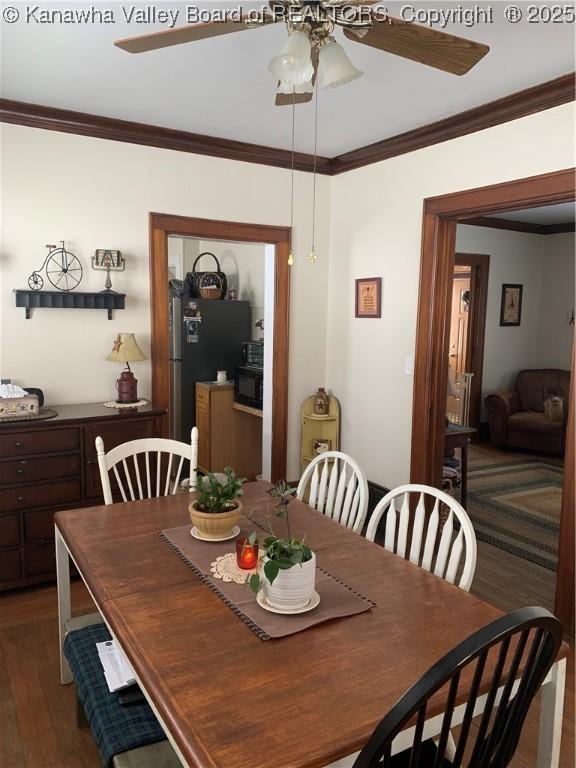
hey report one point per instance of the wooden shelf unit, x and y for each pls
(318, 427)
(108, 300)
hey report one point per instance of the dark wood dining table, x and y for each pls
(227, 699)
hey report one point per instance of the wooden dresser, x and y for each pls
(50, 465)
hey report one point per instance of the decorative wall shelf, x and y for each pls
(69, 300)
(318, 427)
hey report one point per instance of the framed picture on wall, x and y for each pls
(511, 304)
(368, 296)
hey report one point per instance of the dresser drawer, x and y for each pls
(44, 441)
(42, 468)
(10, 567)
(9, 530)
(38, 526)
(40, 495)
(202, 395)
(40, 560)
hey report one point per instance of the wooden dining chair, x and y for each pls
(506, 661)
(442, 543)
(338, 488)
(146, 468)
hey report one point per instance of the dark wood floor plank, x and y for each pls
(11, 749)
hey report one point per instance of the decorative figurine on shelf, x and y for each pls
(111, 261)
(63, 270)
(321, 402)
(126, 350)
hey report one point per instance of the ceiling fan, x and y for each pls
(311, 50)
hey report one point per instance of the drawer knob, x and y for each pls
(19, 471)
(18, 444)
(20, 498)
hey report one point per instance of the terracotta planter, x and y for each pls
(215, 525)
(292, 588)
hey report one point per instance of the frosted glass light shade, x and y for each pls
(334, 66)
(285, 86)
(293, 65)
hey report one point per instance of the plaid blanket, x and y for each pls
(115, 728)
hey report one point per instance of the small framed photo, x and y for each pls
(321, 445)
(511, 304)
(368, 297)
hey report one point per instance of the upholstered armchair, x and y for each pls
(517, 418)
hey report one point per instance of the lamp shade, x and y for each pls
(293, 65)
(126, 349)
(334, 66)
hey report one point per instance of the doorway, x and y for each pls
(431, 372)
(163, 226)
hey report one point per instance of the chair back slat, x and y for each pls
(120, 485)
(128, 480)
(338, 488)
(147, 453)
(177, 478)
(444, 546)
(128, 474)
(453, 557)
(390, 535)
(498, 688)
(403, 523)
(323, 486)
(417, 531)
(431, 534)
(332, 488)
(314, 487)
(138, 479)
(168, 475)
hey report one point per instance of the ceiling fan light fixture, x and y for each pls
(293, 65)
(289, 86)
(334, 66)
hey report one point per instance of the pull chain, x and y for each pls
(291, 255)
(313, 256)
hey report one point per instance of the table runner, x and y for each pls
(337, 600)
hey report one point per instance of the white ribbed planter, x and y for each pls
(292, 588)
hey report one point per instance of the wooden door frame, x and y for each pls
(162, 225)
(480, 263)
(433, 330)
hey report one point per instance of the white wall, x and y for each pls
(544, 266)
(555, 335)
(376, 225)
(97, 194)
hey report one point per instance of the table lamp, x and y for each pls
(126, 350)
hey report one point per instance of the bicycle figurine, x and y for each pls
(63, 270)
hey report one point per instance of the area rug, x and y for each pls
(516, 506)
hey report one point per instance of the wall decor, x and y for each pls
(321, 445)
(368, 297)
(63, 270)
(111, 261)
(511, 304)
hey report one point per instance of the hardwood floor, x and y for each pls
(37, 714)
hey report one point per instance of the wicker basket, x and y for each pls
(210, 292)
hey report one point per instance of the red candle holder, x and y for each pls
(246, 554)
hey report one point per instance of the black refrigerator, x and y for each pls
(205, 337)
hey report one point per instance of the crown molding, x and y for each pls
(519, 226)
(546, 95)
(540, 97)
(69, 121)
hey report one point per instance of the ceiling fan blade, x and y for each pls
(422, 44)
(287, 99)
(188, 34)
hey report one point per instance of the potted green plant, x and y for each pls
(288, 570)
(217, 509)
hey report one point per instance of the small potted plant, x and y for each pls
(288, 571)
(216, 509)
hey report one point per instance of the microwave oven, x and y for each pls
(249, 386)
(253, 354)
